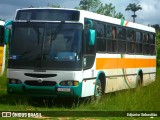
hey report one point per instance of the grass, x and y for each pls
(143, 99)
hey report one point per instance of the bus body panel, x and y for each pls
(2, 49)
(36, 89)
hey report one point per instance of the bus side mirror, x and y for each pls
(7, 31)
(6, 36)
(92, 37)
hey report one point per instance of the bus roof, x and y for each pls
(103, 18)
(116, 21)
(2, 22)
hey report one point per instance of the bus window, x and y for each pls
(114, 33)
(138, 42)
(101, 41)
(145, 44)
(114, 41)
(108, 31)
(109, 38)
(130, 41)
(121, 36)
(89, 26)
(152, 44)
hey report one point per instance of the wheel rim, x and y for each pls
(98, 89)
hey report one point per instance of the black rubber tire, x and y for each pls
(139, 81)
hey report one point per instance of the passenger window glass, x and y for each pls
(138, 42)
(130, 41)
(101, 40)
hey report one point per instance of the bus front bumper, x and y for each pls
(45, 91)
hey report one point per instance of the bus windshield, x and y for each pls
(45, 45)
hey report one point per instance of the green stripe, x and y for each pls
(122, 22)
(124, 75)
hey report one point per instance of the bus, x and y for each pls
(57, 52)
(2, 48)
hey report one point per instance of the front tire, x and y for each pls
(98, 91)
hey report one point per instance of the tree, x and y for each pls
(89, 5)
(109, 10)
(158, 47)
(98, 7)
(48, 5)
(31, 6)
(133, 7)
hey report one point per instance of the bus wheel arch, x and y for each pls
(102, 78)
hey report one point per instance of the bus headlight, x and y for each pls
(12, 81)
(15, 81)
(69, 83)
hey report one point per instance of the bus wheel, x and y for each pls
(98, 91)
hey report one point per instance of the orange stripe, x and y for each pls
(114, 63)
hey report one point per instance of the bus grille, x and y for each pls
(37, 83)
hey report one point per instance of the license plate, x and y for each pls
(63, 89)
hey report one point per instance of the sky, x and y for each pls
(149, 14)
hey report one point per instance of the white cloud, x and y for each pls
(150, 11)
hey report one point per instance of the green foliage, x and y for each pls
(53, 5)
(89, 5)
(98, 7)
(48, 5)
(158, 47)
(109, 10)
(133, 7)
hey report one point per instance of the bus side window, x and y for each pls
(145, 44)
(114, 41)
(139, 42)
(152, 44)
(121, 39)
(109, 38)
(101, 41)
(130, 41)
(113, 33)
(89, 27)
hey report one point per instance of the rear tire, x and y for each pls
(139, 81)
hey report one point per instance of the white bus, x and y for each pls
(66, 52)
(2, 48)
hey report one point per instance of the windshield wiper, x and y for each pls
(57, 31)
